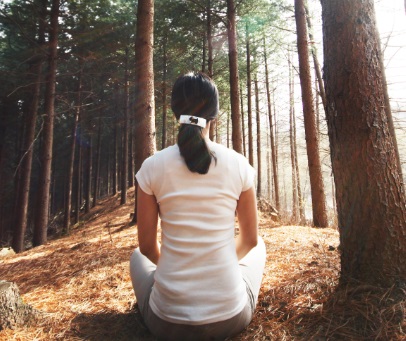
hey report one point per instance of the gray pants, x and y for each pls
(142, 272)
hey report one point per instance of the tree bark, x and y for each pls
(96, 179)
(213, 124)
(233, 65)
(242, 123)
(271, 130)
(249, 105)
(23, 188)
(116, 144)
(259, 161)
(42, 210)
(312, 141)
(124, 165)
(313, 50)
(371, 200)
(144, 115)
(68, 199)
(295, 201)
(88, 173)
(79, 182)
(164, 94)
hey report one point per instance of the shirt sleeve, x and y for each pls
(144, 175)
(247, 173)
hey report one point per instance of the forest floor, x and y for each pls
(81, 286)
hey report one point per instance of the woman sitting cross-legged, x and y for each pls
(202, 283)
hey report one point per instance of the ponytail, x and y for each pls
(195, 94)
(194, 149)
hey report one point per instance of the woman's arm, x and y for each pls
(147, 222)
(248, 223)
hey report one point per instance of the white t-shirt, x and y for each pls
(198, 279)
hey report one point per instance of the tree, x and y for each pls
(293, 162)
(271, 129)
(233, 65)
(258, 118)
(36, 63)
(69, 182)
(249, 97)
(124, 172)
(312, 139)
(371, 200)
(144, 115)
(42, 211)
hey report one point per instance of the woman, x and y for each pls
(203, 283)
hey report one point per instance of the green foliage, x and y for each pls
(94, 36)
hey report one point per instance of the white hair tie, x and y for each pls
(198, 121)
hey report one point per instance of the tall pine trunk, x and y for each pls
(209, 34)
(316, 63)
(69, 182)
(242, 123)
(124, 164)
(96, 179)
(164, 90)
(295, 201)
(79, 180)
(371, 200)
(249, 95)
(23, 187)
(144, 115)
(312, 140)
(43, 195)
(233, 65)
(259, 158)
(271, 130)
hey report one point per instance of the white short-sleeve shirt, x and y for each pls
(198, 279)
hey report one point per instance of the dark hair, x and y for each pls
(195, 94)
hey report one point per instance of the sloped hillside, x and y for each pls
(81, 286)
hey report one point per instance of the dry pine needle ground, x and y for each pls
(81, 286)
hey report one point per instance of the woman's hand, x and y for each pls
(147, 223)
(248, 223)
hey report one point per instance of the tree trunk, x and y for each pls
(164, 95)
(259, 158)
(249, 105)
(115, 146)
(271, 129)
(204, 53)
(131, 152)
(88, 173)
(23, 187)
(68, 198)
(371, 200)
(213, 124)
(228, 129)
(295, 201)
(42, 210)
(316, 63)
(312, 141)
(144, 115)
(124, 165)
(79, 181)
(96, 179)
(242, 123)
(299, 189)
(233, 65)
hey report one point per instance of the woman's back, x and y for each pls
(198, 278)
